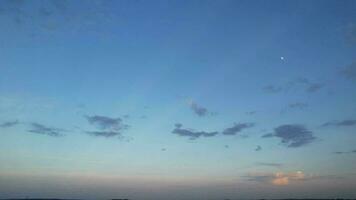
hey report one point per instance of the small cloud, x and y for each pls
(237, 127)
(258, 148)
(104, 123)
(197, 109)
(109, 127)
(345, 152)
(278, 179)
(191, 133)
(351, 33)
(44, 130)
(298, 105)
(272, 89)
(104, 133)
(300, 83)
(292, 135)
(250, 112)
(349, 71)
(348, 122)
(269, 164)
(9, 124)
(268, 135)
(200, 110)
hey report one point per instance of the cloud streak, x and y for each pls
(44, 130)
(9, 124)
(348, 122)
(191, 133)
(300, 83)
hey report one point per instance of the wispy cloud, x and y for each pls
(109, 127)
(104, 133)
(300, 83)
(345, 152)
(349, 71)
(292, 135)
(347, 122)
(191, 133)
(258, 148)
(269, 164)
(298, 105)
(198, 109)
(44, 130)
(9, 124)
(237, 127)
(279, 178)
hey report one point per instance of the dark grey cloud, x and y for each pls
(293, 135)
(109, 127)
(198, 109)
(9, 124)
(258, 148)
(348, 122)
(104, 133)
(44, 130)
(268, 164)
(349, 71)
(237, 127)
(192, 134)
(106, 123)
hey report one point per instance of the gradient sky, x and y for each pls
(177, 99)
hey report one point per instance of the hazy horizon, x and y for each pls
(177, 99)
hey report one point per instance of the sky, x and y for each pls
(177, 100)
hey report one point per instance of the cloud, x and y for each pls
(106, 123)
(250, 112)
(109, 127)
(349, 71)
(104, 133)
(308, 85)
(236, 128)
(348, 122)
(269, 164)
(9, 124)
(351, 33)
(44, 130)
(197, 109)
(278, 179)
(268, 135)
(299, 83)
(344, 152)
(191, 133)
(298, 105)
(292, 135)
(258, 148)
(272, 89)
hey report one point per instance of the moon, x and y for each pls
(282, 58)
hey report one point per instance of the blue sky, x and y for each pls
(177, 99)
